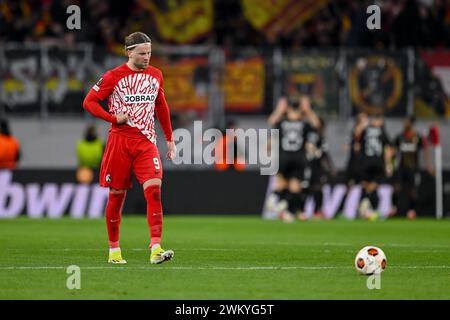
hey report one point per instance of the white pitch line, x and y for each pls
(343, 244)
(325, 244)
(210, 268)
(423, 267)
(169, 268)
(133, 249)
(403, 245)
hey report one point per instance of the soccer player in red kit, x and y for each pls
(135, 94)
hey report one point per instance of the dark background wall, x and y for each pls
(206, 192)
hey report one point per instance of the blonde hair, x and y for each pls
(135, 39)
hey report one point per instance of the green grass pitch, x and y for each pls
(224, 258)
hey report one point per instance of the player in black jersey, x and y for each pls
(293, 130)
(408, 145)
(354, 165)
(376, 164)
(318, 168)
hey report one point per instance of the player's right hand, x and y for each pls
(283, 104)
(171, 150)
(122, 118)
(389, 170)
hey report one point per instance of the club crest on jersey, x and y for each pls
(139, 98)
(108, 178)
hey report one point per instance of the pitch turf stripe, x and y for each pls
(210, 268)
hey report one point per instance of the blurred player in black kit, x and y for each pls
(376, 162)
(408, 145)
(318, 168)
(354, 166)
(294, 129)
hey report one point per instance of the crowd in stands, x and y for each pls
(418, 23)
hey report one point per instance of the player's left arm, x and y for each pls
(326, 160)
(313, 119)
(280, 110)
(395, 150)
(388, 152)
(423, 145)
(163, 114)
(311, 138)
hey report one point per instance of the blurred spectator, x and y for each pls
(9, 147)
(90, 149)
(222, 151)
(89, 153)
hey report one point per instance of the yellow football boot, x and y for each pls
(159, 255)
(116, 257)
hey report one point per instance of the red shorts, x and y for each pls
(124, 155)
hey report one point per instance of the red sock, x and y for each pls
(154, 213)
(113, 208)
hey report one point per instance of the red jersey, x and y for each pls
(139, 94)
